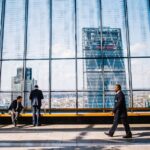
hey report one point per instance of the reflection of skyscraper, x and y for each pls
(18, 83)
(105, 64)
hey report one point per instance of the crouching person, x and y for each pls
(15, 109)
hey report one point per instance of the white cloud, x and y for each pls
(63, 75)
(60, 50)
(141, 73)
(140, 66)
(140, 49)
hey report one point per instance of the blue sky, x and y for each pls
(63, 74)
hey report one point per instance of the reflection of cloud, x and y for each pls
(140, 73)
(63, 75)
(60, 50)
(140, 66)
(140, 49)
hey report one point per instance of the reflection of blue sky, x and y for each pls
(141, 73)
(63, 32)
(9, 70)
(63, 75)
(0, 11)
(87, 16)
(13, 44)
(138, 20)
(63, 29)
(139, 27)
(113, 16)
(38, 29)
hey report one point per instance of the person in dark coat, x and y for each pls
(120, 112)
(36, 96)
(15, 109)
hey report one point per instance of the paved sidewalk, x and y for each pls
(72, 137)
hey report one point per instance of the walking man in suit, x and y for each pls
(36, 96)
(120, 112)
(15, 108)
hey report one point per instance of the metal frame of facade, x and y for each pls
(50, 52)
(76, 49)
(25, 45)
(128, 51)
(2, 35)
(76, 53)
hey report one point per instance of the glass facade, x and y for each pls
(76, 54)
(106, 70)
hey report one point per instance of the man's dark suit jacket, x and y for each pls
(13, 106)
(36, 94)
(120, 104)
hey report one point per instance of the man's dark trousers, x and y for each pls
(36, 115)
(117, 118)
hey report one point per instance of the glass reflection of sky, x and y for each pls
(63, 31)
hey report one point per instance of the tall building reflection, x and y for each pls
(17, 83)
(103, 64)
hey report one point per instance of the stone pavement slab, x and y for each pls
(73, 137)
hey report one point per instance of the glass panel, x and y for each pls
(12, 76)
(88, 18)
(45, 101)
(114, 38)
(63, 29)
(13, 46)
(5, 100)
(63, 75)
(90, 79)
(37, 72)
(141, 99)
(63, 100)
(139, 27)
(90, 70)
(110, 97)
(0, 12)
(81, 67)
(15, 93)
(38, 29)
(112, 42)
(115, 72)
(90, 74)
(109, 100)
(91, 43)
(90, 99)
(140, 73)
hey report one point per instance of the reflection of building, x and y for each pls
(111, 69)
(141, 99)
(63, 100)
(18, 83)
(4, 101)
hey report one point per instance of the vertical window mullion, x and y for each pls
(50, 52)
(128, 52)
(2, 36)
(25, 47)
(76, 49)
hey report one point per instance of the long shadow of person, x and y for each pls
(142, 134)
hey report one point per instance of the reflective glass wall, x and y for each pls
(76, 51)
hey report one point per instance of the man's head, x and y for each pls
(36, 86)
(19, 99)
(117, 87)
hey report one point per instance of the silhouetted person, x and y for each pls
(120, 112)
(15, 108)
(36, 96)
